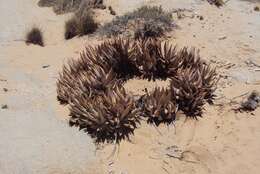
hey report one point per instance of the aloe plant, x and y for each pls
(108, 118)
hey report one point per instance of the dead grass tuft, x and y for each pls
(34, 36)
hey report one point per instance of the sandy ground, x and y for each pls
(35, 137)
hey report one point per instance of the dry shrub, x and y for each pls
(82, 24)
(146, 20)
(111, 117)
(86, 24)
(218, 3)
(159, 107)
(66, 6)
(34, 36)
(149, 30)
(71, 28)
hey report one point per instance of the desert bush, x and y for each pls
(80, 25)
(140, 18)
(109, 118)
(218, 3)
(86, 24)
(71, 28)
(65, 6)
(158, 107)
(34, 36)
(149, 30)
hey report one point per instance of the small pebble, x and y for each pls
(5, 89)
(45, 66)
(252, 102)
(222, 38)
(112, 12)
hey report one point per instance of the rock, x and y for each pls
(253, 62)
(174, 152)
(5, 89)
(112, 11)
(45, 66)
(244, 75)
(252, 102)
(257, 8)
(222, 38)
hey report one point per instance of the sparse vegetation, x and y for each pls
(34, 36)
(65, 6)
(149, 20)
(149, 30)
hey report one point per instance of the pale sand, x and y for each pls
(220, 142)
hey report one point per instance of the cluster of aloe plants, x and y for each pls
(93, 86)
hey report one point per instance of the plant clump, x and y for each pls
(111, 117)
(92, 86)
(80, 24)
(66, 6)
(34, 36)
(187, 90)
(71, 28)
(144, 22)
(157, 60)
(159, 107)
